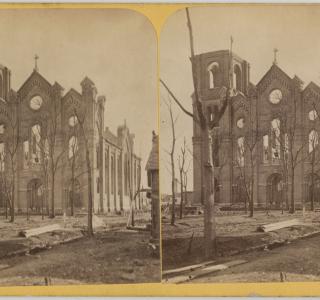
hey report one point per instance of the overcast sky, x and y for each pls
(115, 48)
(256, 31)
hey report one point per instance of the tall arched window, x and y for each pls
(106, 167)
(2, 128)
(1, 87)
(119, 165)
(265, 148)
(35, 143)
(275, 138)
(98, 156)
(113, 174)
(210, 113)
(238, 78)
(2, 157)
(125, 174)
(73, 146)
(213, 69)
(313, 140)
(240, 151)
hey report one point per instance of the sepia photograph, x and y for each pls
(239, 146)
(79, 172)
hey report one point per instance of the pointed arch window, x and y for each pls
(25, 153)
(119, 165)
(2, 128)
(1, 87)
(265, 148)
(238, 77)
(240, 151)
(313, 115)
(35, 143)
(98, 156)
(106, 168)
(313, 140)
(213, 70)
(113, 174)
(2, 157)
(73, 146)
(275, 139)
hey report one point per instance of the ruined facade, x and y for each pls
(44, 134)
(267, 139)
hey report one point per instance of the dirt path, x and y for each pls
(110, 257)
(298, 261)
(236, 233)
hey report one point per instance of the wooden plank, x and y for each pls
(187, 268)
(279, 225)
(204, 272)
(138, 228)
(177, 279)
(36, 231)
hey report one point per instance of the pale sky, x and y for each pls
(256, 31)
(115, 48)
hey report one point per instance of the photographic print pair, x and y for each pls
(207, 172)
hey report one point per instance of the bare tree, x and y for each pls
(246, 162)
(206, 126)
(74, 162)
(42, 143)
(100, 128)
(50, 132)
(11, 149)
(185, 182)
(171, 153)
(133, 194)
(82, 126)
(182, 161)
(314, 153)
(5, 182)
(286, 135)
(314, 159)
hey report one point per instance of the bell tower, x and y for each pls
(5, 83)
(218, 72)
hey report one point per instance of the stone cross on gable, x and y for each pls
(36, 57)
(275, 51)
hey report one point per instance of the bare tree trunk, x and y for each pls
(173, 213)
(101, 170)
(52, 212)
(245, 205)
(6, 207)
(90, 206)
(173, 176)
(209, 220)
(132, 215)
(12, 202)
(292, 207)
(312, 181)
(72, 190)
(181, 191)
(251, 183)
(12, 206)
(286, 190)
(251, 198)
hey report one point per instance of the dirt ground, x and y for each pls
(10, 230)
(298, 261)
(110, 257)
(71, 228)
(236, 232)
(113, 255)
